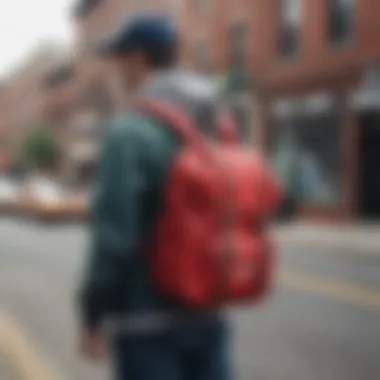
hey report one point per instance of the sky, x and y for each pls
(26, 23)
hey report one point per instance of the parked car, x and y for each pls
(9, 194)
(48, 200)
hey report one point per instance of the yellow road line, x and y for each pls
(338, 289)
(30, 365)
(21, 352)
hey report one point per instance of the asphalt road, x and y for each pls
(323, 323)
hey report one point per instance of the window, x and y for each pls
(341, 20)
(238, 38)
(290, 27)
(84, 7)
(307, 157)
(59, 76)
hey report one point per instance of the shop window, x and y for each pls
(307, 157)
(290, 27)
(341, 24)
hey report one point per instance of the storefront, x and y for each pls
(365, 102)
(307, 140)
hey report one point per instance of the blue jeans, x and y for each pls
(198, 352)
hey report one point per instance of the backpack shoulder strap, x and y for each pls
(175, 119)
(228, 130)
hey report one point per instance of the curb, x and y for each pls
(360, 241)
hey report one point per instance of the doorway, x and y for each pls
(369, 166)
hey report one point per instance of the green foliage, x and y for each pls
(40, 149)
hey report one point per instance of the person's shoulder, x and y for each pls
(139, 129)
(120, 126)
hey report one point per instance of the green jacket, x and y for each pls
(134, 166)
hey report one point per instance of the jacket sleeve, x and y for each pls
(115, 223)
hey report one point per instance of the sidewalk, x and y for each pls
(360, 238)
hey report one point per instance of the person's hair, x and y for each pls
(162, 57)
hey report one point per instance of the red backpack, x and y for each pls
(211, 247)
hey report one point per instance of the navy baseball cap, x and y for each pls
(143, 31)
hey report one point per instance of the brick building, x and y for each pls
(314, 97)
(302, 77)
(24, 96)
(320, 88)
(25, 91)
(309, 89)
(95, 21)
(96, 91)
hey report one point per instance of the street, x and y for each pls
(323, 322)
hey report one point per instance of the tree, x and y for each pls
(40, 149)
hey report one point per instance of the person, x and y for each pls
(286, 164)
(149, 336)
